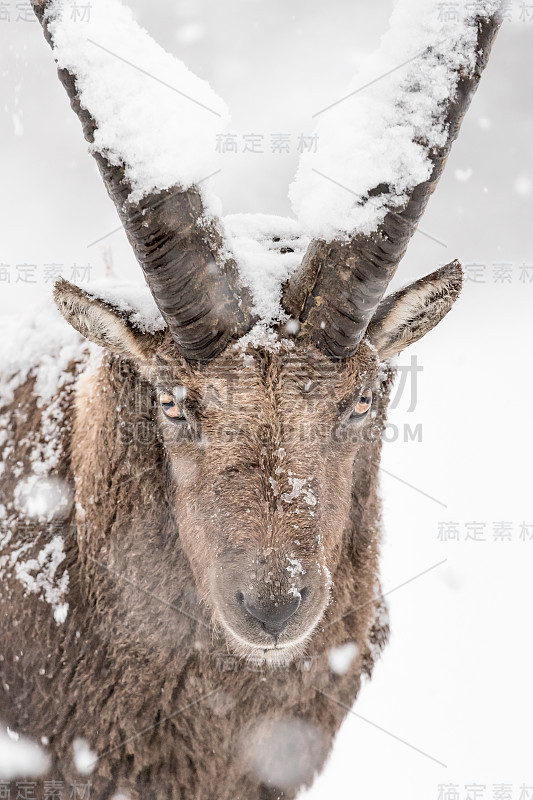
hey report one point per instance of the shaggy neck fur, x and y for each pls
(138, 669)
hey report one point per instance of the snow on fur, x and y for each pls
(268, 249)
(38, 343)
(42, 346)
(133, 300)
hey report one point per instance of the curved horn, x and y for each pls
(339, 284)
(193, 279)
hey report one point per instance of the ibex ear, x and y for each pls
(407, 315)
(102, 322)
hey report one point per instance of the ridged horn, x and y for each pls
(339, 284)
(193, 279)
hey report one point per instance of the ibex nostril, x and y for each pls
(239, 597)
(304, 594)
(273, 615)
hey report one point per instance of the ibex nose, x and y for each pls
(272, 614)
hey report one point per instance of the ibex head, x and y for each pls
(263, 441)
(264, 438)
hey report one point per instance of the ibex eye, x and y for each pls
(362, 406)
(170, 408)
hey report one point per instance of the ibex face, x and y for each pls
(263, 443)
(262, 446)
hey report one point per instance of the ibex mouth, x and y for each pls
(276, 653)
(278, 656)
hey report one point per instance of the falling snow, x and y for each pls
(341, 658)
(20, 757)
(84, 758)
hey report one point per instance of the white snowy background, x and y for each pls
(455, 680)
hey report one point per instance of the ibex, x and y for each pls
(244, 520)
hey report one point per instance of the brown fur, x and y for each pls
(167, 526)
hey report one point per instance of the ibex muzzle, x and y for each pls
(268, 599)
